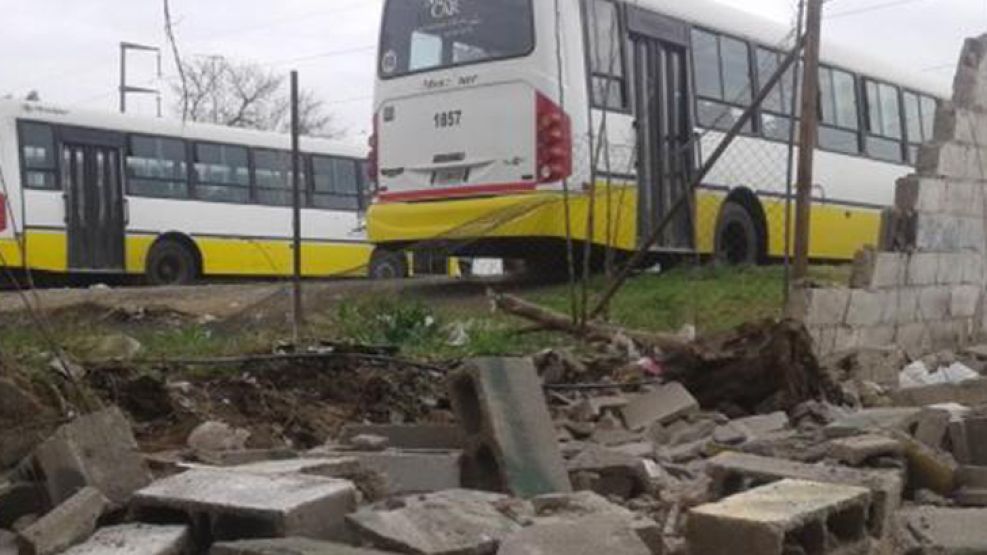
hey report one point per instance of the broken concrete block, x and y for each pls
(97, 450)
(442, 437)
(616, 473)
(856, 450)
(135, 539)
(975, 430)
(289, 546)
(367, 442)
(215, 436)
(663, 405)
(736, 472)
(411, 471)
(229, 505)
(445, 523)
(783, 517)
(588, 536)
(959, 442)
(970, 393)
(933, 424)
(898, 418)
(947, 531)
(510, 436)
(245, 456)
(66, 525)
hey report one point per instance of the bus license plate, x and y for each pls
(451, 176)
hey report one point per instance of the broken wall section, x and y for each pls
(924, 290)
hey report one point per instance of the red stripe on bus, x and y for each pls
(467, 191)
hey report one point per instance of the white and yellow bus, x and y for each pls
(88, 192)
(485, 109)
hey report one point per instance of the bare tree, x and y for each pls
(219, 90)
(170, 32)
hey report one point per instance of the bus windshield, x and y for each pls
(423, 35)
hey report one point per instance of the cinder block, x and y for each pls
(97, 450)
(824, 307)
(917, 193)
(773, 519)
(976, 435)
(941, 530)
(961, 125)
(964, 198)
(228, 505)
(966, 299)
(934, 303)
(950, 334)
(666, 403)
(940, 232)
(915, 339)
(736, 472)
(973, 264)
(905, 302)
(866, 308)
(824, 339)
(847, 339)
(66, 525)
(856, 450)
(950, 269)
(414, 471)
(877, 336)
(409, 436)
(950, 160)
(923, 268)
(509, 433)
(133, 539)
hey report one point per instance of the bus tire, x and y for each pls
(171, 263)
(385, 264)
(738, 242)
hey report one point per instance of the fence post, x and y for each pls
(808, 136)
(297, 317)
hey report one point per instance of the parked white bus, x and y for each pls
(88, 192)
(484, 108)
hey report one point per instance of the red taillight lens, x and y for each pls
(554, 133)
(372, 156)
(3, 212)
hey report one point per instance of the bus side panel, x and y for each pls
(46, 236)
(14, 210)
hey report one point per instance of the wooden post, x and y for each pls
(297, 317)
(808, 137)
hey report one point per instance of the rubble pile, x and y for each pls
(843, 457)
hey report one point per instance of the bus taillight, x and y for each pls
(554, 129)
(3, 212)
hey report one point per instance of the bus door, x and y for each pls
(666, 160)
(94, 202)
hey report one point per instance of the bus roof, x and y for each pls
(766, 32)
(111, 121)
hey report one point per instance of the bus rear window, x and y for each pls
(423, 35)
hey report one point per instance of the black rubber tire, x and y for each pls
(386, 264)
(738, 241)
(171, 263)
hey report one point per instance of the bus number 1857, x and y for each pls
(448, 119)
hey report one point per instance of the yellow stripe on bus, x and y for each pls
(838, 231)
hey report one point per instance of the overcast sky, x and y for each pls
(68, 49)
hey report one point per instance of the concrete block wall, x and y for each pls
(925, 290)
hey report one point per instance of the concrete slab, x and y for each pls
(876, 419)
(782, 517)
(736, 472)
(135, 539)
(409, 436)
(616, 473)
(446, 523)
(587, 536)
(227, 505)
(511, 439)
(97, 450)
(410, 471)
(944, 531)
(289, 546)
(970, 393)
(68, 524)
(663, 405)
(855, 450)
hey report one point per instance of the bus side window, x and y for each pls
(920, 113)
(723, 79)
(157, 167)
(336, 184)
(272, 176)
(776, 110)
(839, 124)
(38, 152)
(883, 122)
(222, 173)
(606, 55)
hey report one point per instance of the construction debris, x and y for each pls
(131, 539)
(68, 524)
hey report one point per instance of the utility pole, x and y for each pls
(297, 316)
(126, 89)
(808, 137)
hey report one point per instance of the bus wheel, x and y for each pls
(171, 263)
(388, 265)
(737, 239)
